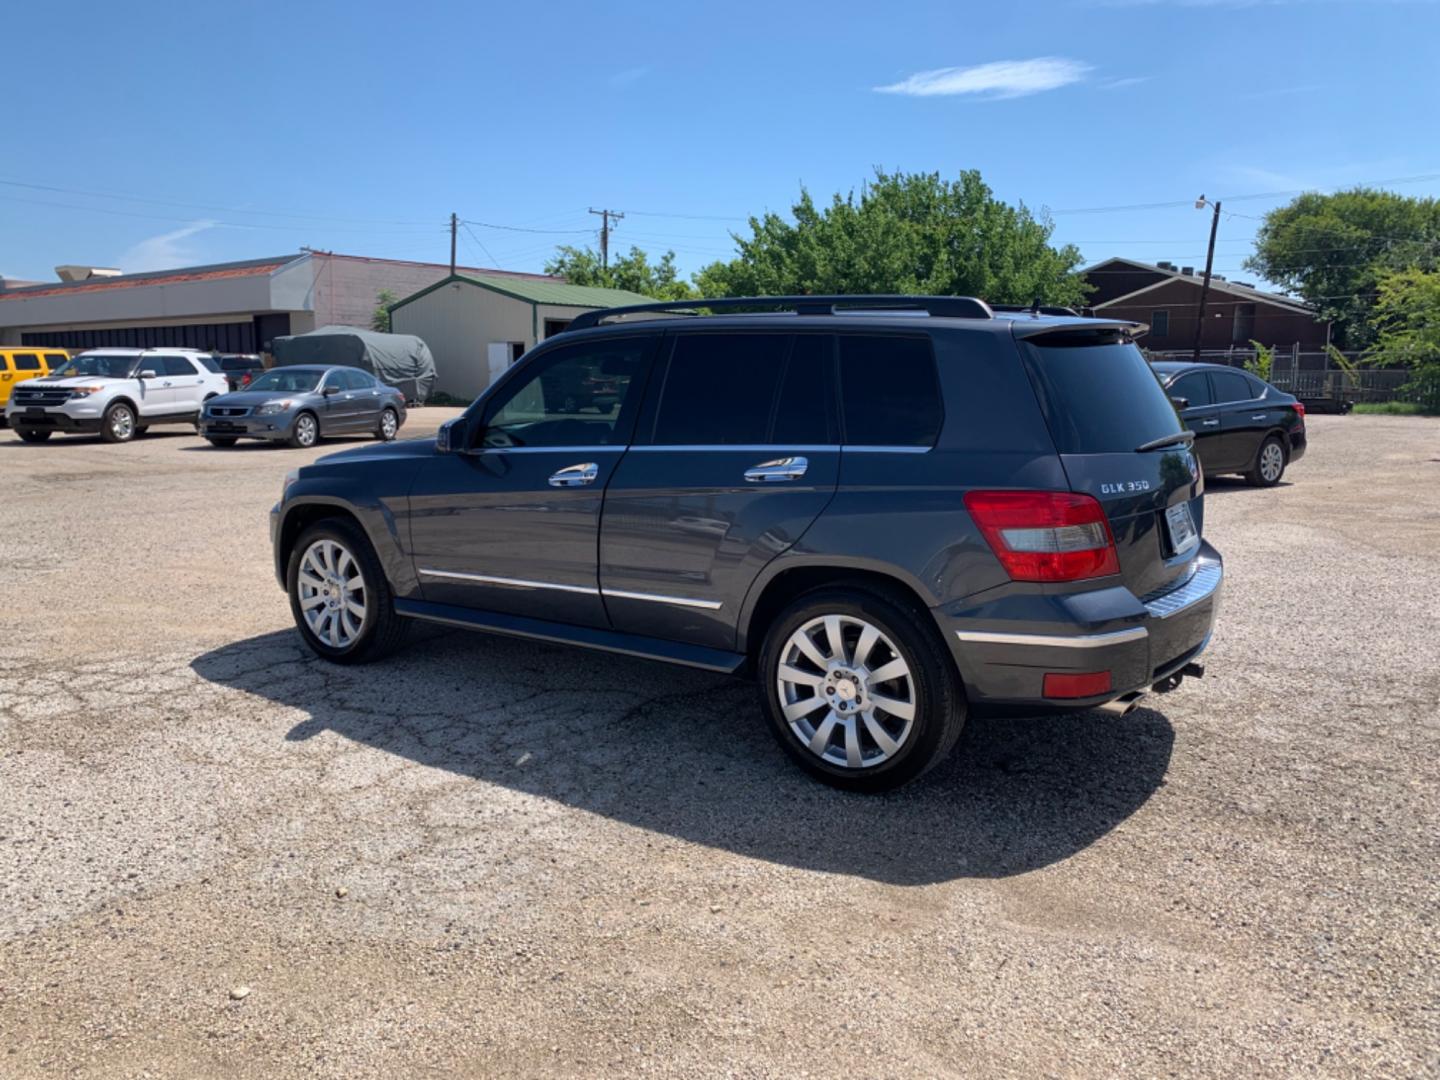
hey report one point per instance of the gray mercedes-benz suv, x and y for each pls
(891, 511)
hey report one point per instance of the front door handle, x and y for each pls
(575, 475)
(785, 468)
(1261, 416)
(1210, 423)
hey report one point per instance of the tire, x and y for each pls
(221, 441)
(341, 638)
(1269, 464)
(118, 424)
(930, 687)
(306, 432)
(389, 425)
(33, 435)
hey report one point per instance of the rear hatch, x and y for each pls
(1118, 437)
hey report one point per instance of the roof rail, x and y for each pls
(953, 307)
(1035, 309)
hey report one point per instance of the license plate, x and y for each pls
(222, 426)
(35, 410)
(1183, 536)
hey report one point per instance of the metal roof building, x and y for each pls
(477, 325)
(231, 307)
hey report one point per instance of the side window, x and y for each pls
(178, 365)
(4, 362)
(890, 391)
(1231, 386)
(583, 395)
(345, 379)
(27, 361)
(1160, 323)
(805, 413)
(1195, 387)
(361, 380)
(719, 389)
(1258, 387)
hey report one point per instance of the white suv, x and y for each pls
(117, 393)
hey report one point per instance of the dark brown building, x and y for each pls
(1167, 299)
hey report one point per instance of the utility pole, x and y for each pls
(1200, 204)
(605, 218)
(454, 224)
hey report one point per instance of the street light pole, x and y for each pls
(1200, 204)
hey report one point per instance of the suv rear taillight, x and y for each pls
(1045, 535)
(1299, 408)
(245, 379)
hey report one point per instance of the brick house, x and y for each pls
(1167, 299)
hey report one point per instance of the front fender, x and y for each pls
(383, 519)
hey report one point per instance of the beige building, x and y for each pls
(477, 325)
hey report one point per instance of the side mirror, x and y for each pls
(1180, 402)
(149, 373)
(330, 391)
(450, 438)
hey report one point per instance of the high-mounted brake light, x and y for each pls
(1045, 535)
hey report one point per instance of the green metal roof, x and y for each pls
(557, 293)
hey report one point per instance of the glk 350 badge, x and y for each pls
(1122, 487)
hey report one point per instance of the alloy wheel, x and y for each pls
(846, 691)
(305, 430)
(389, 424)
(332, 593)
(1272, 462)
(122, 422)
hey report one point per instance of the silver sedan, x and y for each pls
(304, 403)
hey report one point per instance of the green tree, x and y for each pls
(903, 233)
(380, 317)
(1263, 362)
(1406, 327)
(632, 271)
(1332, 251)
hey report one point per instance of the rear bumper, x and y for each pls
(1297, 445)
(1004, 649)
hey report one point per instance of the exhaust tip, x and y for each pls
(1123, 705)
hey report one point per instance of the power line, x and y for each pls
(524, 229)
(1243, 198)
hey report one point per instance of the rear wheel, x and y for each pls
(1269, 464)
(858, 689)
(118, 424)
(339, 596)
(33, 434)
(306, 432)
(389, 425)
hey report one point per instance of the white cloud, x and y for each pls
(1120, 84)
(166, 251)
(628, 76)
(993, 81)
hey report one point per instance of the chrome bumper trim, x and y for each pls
(1201, 585)
(1056, 641)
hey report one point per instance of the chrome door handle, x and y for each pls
(1262, 416)
(1210, 423)
(785, 468)
(575, 475)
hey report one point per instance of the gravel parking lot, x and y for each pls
(492, 857)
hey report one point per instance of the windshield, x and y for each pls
(238, 363)
(100, 365)
(1099, 394)
(287, 381)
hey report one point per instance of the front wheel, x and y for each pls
(307, 431)
(118, 424)
(32, 435)
(859, 690)
(1269, 464)
(339, 596)
(389, 425)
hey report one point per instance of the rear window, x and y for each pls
(720, 389)
(1232, 386)
(1098, 393)
(890, 391)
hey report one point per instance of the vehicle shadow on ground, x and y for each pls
(1224, 485)
(685, 753)
(86, 440)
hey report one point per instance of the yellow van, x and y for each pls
(18, 364)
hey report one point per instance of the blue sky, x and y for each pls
(204, 133)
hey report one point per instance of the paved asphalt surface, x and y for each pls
(219, 857)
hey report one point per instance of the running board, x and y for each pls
(587, 637)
